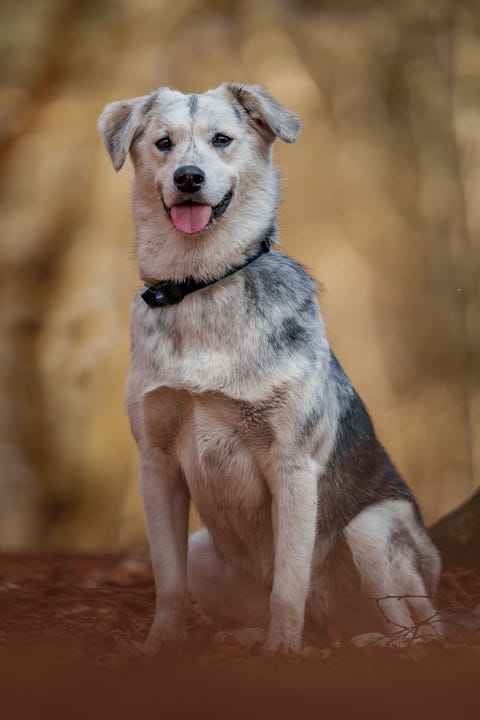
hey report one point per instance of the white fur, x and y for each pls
(394, 582)
(223, 387)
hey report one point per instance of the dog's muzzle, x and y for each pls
(219, 209)
(190, 217)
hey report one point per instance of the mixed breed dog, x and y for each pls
(237, 402)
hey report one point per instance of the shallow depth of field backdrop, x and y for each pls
(381, 203)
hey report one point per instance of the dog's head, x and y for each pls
(204, 183)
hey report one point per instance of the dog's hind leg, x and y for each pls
(227, 596)
(398, 567)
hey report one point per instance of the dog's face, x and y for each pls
(202, 162)
(196, 149)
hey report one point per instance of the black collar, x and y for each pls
(171, 293)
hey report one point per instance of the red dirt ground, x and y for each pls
(71, 629)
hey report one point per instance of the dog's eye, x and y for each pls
(164, 143)
(221, 140)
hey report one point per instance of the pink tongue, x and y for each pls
(190, 218)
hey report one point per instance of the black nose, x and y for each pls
(188, 178)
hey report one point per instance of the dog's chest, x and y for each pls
(207, 346)
(220, 454)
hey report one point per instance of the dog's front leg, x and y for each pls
(166, 501)
(294, 515)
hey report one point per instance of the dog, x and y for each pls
(236, 400)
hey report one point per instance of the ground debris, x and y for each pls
(99, 608)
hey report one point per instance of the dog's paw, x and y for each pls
(370, 639)
(379, 640)
(246, 638)
(285, 641)
(399, 641)
(162, 638)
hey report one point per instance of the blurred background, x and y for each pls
(380, 203)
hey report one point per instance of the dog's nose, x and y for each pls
(188, 178)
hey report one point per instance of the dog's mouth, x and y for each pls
(190, 217)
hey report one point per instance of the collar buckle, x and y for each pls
(162, 294)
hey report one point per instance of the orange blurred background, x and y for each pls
(380, 203)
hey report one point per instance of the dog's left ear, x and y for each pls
(266, 114)
(120, 123)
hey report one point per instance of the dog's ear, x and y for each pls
(266, 114)
(120, 123)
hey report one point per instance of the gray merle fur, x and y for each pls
(238, 404)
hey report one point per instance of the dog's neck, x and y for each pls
(165, 254)
(251, 250)
(171, 293)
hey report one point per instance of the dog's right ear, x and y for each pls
(120, 123)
